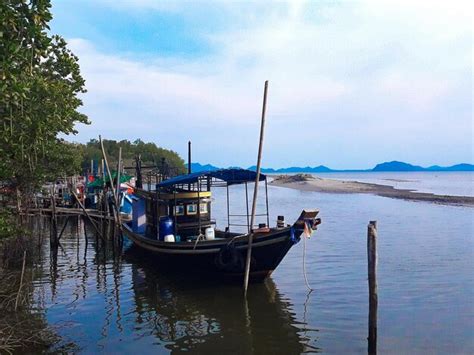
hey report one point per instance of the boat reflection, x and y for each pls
(197, 315)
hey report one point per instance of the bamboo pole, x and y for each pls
(255, 191)
(63, 228)
(85, 232)
(372, 276)
(107, 165)
(54, 222)
(116, 215)
(21, 280)
(189, 157)
(117, 191)
(88, 216)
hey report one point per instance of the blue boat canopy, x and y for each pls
(231, 176)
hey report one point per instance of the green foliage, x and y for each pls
(8, 226)
(39, 100)
(40, 84)
(150, 153)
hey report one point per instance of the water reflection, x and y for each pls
(115, 302)
(109, 299)
(198, 315)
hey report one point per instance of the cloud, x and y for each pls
(334, 68)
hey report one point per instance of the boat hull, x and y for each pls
(221, 257)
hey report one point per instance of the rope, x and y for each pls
(203, 237)
(305, 323)
(304, 263)
(200, 236)
(233, 239)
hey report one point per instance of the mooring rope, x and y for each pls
(305, 323)
(200, 237)
(233, 239)
(304, 262)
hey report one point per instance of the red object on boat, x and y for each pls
(91, 178)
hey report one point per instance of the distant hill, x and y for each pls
(401, 166)
(457, 167)
(196, 167)
(387, 166)
(397, 166)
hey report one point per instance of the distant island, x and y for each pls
(387, 166)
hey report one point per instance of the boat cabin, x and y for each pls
(180, 208)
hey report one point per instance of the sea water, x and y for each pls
(441, 183)
(104, 301)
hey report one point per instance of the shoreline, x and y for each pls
(307, 182)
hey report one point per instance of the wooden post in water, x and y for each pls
(255, 191)
(372, 273)
(53, 240)
(85, 231)
(63, 228)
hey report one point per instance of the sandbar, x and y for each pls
(308, 182)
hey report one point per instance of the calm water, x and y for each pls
(442, 183)
(106, 302)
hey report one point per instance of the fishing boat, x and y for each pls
(172, 220)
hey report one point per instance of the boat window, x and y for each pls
(203, 208)
(179, 210)
(191, 209)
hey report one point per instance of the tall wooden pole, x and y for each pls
(54, 222)
(189, 171)
(88, 216)
(189, 157)
(255, 191)
(373, 296)
(138, 171)
(116, 217)
(107, 166)
(117, 191)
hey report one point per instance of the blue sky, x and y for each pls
(351, 83)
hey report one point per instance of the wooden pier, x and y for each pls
(67, 211)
